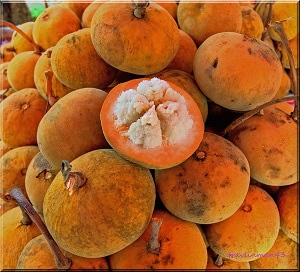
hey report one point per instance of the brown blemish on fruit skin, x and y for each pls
(73, 39)
(225, 183)
(237, 162)
(167, 259)
(195, 206)
(274, 171)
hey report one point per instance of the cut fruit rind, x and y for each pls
(152, 122)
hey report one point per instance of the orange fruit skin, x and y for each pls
(176, 237)
(14, 236)
(250, 231)
(109, 212)
(226, 64)
(21, 113)
(287, 198)
(270, 144)
(202, 20)
(54, 23)
(192, 189)
(112, 28)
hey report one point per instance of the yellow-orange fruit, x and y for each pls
(4, 83)
(57, 90)
(285, 86)
(170, 6)
(53, 23)
(4, 148)
(283, 255)
(293, 43)
(202, 20)
(213, 263)
(251, 229)
(270, 144)
(252, 25)
(109, 210)
(282, 11)
(76, 64)
(88, 13)
(14, 165)
(176, 238)
(192, 189)
(113, 25)
(14, 236)
(21, 113)
(287, 198)
(38, 254)
(18, 42)
(6, 52)
(78, 7)
(39, 175)
(73, 121)
(184, 58)
(226, 64)
(188, 83)
(20, 71)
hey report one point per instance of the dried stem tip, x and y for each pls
(140, 9)
(23, 202)
(219, 261)
(73, 180)
(279, 29)
(153, 245)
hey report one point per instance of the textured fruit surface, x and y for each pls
(270, 144)
(73, 121)
(226, 64)
(111, 31)
(192, 189)
(251, 229)
(110, 211)
(176, 236)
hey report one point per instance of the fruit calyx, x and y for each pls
(73, 180)
(153, 244)
(62, 262)
(140, 8)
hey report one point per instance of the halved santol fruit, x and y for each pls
(152, 122)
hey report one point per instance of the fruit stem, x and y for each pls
(51, 100)
(267, 21)
(219, 261)
(37, 48)
(73, 180)
(279, 29)
(62, 261)
(258, 109)
(2, 96)
(153, 244)
(140, 8)
(26, 220)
